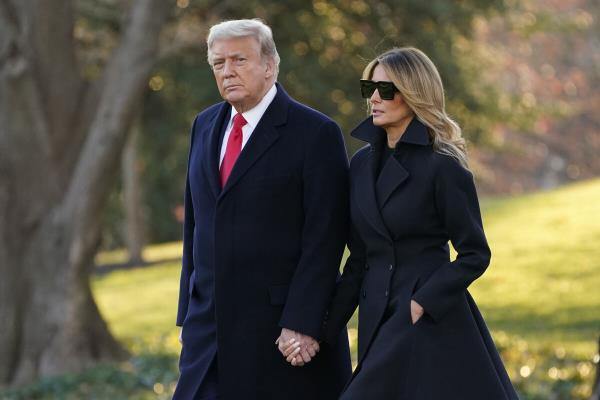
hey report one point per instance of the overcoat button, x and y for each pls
(386, 293)
(367, 267)
(364, 294)
(391, 267)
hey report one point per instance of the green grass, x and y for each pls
(544, 280)
(540, 296)
(140, 304)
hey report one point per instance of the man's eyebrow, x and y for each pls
(229, 55)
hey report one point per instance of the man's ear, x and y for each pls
(269, 68)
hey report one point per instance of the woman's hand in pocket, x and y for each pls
(416, 311)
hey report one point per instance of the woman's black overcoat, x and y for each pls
(402, 221)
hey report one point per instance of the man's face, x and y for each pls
(242, 76)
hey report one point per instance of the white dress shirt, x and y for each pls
(252, 118)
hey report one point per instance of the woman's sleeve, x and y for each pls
(458, 206)
(345, 299)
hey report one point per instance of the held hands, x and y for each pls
(416, 311)
(298, 349)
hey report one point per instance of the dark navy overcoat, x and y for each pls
(402, 221)
(263, 252)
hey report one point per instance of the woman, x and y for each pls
(420, 334)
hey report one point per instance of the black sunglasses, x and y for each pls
(386, 89)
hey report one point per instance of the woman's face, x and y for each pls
(388, 113)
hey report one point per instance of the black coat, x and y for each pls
(402, 220)
(265, 250)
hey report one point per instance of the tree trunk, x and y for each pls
(60, 144)
(132, 197)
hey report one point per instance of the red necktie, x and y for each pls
(234, 147)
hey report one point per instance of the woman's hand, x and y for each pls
(416, 311)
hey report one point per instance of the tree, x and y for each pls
(132, 197)
(61, 138)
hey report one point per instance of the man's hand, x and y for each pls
(298, 349)
(416, 311)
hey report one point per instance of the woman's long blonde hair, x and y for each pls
(420, 85)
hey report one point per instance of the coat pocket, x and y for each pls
(278, 294)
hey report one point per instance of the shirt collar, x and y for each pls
(254, 115)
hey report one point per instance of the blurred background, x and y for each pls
(96, 101)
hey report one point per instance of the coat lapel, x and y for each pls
(364, 189)
(391, 176)
(364, 192)
(393, 173)
(370, 189)
(211, 156)
(264, 136)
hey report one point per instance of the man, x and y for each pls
(265, 226)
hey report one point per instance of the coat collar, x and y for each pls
(376, 190)
(264, 135)
(416, 133)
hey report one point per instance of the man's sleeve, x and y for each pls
(325, 199)
(347, 292)
(187, 262)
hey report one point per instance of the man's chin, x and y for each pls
(234, 98)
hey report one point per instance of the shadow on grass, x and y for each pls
(104, 269)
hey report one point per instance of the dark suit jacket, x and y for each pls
(267, 247)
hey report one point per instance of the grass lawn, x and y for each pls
(544, 280)
(540, 296)
(140, 304)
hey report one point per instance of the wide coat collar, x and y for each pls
(393, 174)
(263, 137)
(416, 133)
